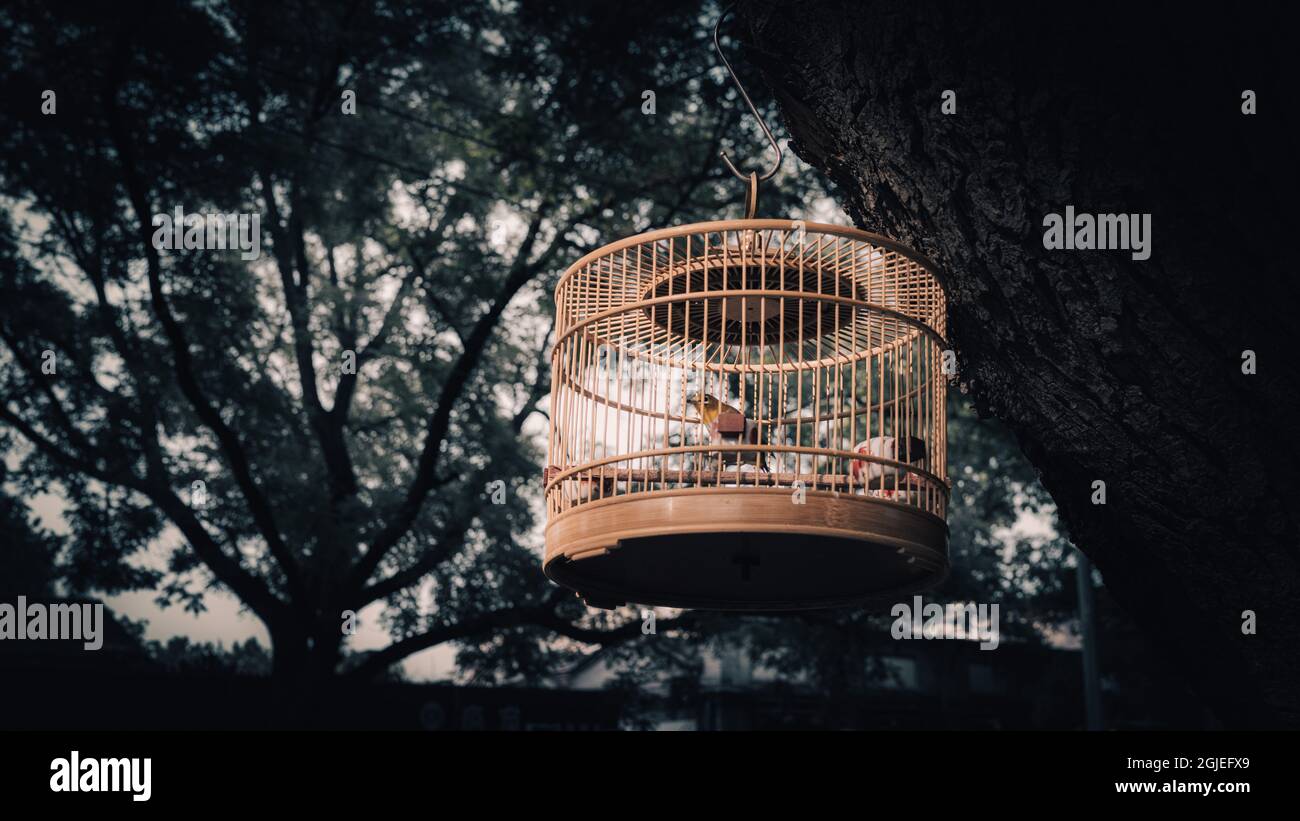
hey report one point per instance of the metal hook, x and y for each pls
(767, 132)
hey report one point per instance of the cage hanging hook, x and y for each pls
(767, 132)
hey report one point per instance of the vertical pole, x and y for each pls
(1088, 627)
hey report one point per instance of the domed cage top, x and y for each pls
(747, 415)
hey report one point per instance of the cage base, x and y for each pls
(745, 549)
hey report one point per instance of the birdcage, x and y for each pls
(747, 415)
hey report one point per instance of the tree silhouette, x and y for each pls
(344, 400)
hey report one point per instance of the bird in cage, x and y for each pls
(583, 488)
(888, 481)
(728, 426)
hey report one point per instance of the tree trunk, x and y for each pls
(1108, 368)
(303, 674)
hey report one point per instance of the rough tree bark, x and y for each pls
(1107, 368)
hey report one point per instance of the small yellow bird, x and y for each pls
(710, 409)
(709, 406)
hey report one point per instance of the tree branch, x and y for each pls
(226, 569)
(379, 660)
(290, 253)
(542, 615)
(440, 421)
(184, 365)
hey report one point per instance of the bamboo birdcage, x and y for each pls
(747, 415)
